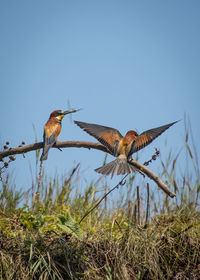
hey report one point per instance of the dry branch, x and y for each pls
(88, 145)
(39, 145)
(148, 206)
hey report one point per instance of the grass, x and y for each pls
(144, 235)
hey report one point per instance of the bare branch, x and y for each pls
(65, 144)
(148, 206)
(88, 145)
(154, 177)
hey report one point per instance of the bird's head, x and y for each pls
(59, 114)
(131, 135)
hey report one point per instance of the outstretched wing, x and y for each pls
(107, 136)
(148, 136)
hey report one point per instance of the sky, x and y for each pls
(127, 64)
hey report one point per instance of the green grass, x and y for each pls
(140, 237)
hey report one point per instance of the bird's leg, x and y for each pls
(58, 147)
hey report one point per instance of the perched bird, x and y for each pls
(121, 147)
(52, 130)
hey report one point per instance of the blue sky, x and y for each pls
(128, 64)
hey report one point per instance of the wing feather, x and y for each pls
(107, 136)
(148, 136)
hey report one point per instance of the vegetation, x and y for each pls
(144, 235)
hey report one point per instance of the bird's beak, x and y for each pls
(70, 111)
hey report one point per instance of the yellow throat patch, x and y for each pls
(60, 117)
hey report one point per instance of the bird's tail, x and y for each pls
(117, 166)
(45, 152)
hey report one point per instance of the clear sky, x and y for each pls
(128, 64)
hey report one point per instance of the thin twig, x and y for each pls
(129, 212)
(138, 205)
(116, 222)
(184, 230)
(72, 173)
(135, 214)
(148, 206)
(122, 182)
(39, 177)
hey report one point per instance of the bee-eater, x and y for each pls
(52, 130)
(121, 147)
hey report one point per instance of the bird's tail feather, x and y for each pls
(117, 166)
(45, 152)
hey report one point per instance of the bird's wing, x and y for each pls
(148, 136)
(49, 141)
(107, 136)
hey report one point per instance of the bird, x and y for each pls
(52, 129)
(121, 147)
